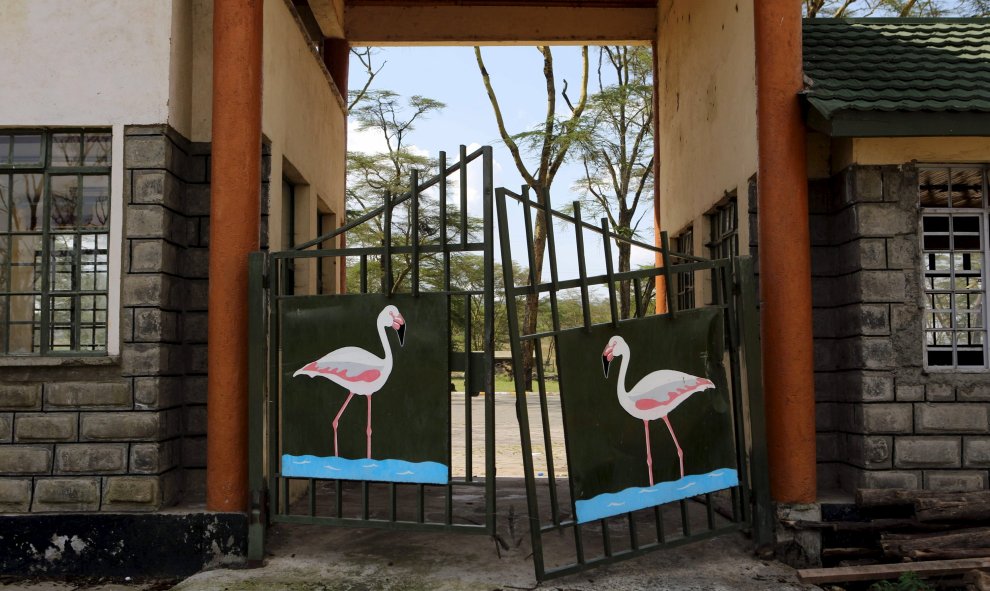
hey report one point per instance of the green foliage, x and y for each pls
(908, 581)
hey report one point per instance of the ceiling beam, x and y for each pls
(330, 16)
(490, 23)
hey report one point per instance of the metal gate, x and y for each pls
(594, 498)
(353, 420)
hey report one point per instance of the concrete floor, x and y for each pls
(312, 557)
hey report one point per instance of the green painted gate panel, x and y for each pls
(325, 340)
(669, 366)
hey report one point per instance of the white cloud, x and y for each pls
(370, 141)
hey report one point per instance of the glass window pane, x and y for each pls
(27, 149)
(96, 148)
(966, 223)
(66, 149)
(65, 196)
(96, 201)
(934, 187)
(935, 223)
(4, 202)
(967, 187)
(62, 262)
(26, 192)
(967, 242)
(4, 149)
(25, 263)
(936, 242)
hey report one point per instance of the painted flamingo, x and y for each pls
(654, 396)
(357, 370)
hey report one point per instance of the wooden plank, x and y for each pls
(886, 571)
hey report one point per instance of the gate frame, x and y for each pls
(735, 281)
(267, 275)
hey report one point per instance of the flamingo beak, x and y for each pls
(401, 332)
(606, 362)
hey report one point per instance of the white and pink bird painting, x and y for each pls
(654, 396)
(358, 370)
(616, 385)
(363, 371)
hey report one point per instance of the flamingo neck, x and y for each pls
(385, 344)
(623, 366)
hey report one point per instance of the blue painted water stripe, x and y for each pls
(634, 498)
(338, 468)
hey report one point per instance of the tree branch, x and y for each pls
(506, 138)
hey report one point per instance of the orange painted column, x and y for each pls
(235, 202)
(785, 253)
(661, 282)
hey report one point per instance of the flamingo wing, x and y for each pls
(664, 390)
(346, 365)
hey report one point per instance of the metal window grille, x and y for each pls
(54, 234)
(954, 217)
(723, 232)
(684, 244)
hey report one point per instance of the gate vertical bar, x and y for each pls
(763, 515)
(522, 415)
(257, 342)
(607, 247)
(582, 269)
(387, 246)
(489, 335)
(414, 230)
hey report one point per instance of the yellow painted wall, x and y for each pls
(707, 116)
(876, 151)
(303, 118)
(303, 115)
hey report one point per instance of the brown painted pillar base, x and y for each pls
(785, 253)
(235, 202)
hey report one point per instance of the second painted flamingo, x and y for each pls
(357, 370)
(654, 396)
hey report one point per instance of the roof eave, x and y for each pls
(858, 123)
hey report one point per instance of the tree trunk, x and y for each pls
(533, 300)
(624, 286)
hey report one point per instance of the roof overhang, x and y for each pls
(855, 123)
(491, 22)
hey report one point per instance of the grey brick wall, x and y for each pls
(125, 434)
(882, 420)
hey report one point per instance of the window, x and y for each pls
(684, 244)
(54, 233)
(723, 225)
(724, 230)
(954, 249)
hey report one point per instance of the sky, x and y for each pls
(450, 75)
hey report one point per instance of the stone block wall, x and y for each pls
(121, 433)
(882, 419)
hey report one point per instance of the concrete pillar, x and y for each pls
(785, 253)
(661, 283)
(234, 232)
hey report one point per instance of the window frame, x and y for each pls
(45, 168)
(684, 282)
(983, 215)
(723, 239)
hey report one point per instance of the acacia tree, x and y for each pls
(548, 146)
(616, 148)
(374, 177)
(898, 8)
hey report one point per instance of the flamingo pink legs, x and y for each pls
(680, 452)
(649, 455)
(368, 431)
(336, 421)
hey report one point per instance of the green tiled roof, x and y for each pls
(897, 65)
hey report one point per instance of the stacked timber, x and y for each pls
(921, 530)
